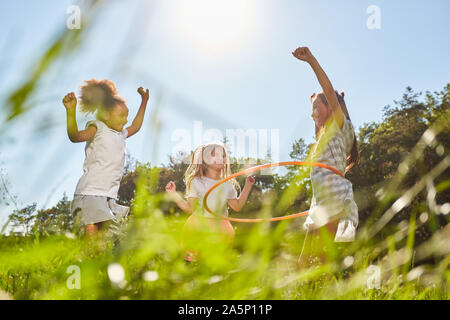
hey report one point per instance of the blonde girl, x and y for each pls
(209, 164)
(333, 212)
(95, 196)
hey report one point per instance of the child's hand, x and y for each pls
(171, 187)
(144, 93)
(70, 101)
(250, 181)
(303, 54)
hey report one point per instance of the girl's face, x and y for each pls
(117, 118)
(320, 112)
(217, 159)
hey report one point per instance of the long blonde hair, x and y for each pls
(197, 167)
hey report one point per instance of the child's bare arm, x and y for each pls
(137, 122)
(237, 204)
(304, 54)
(70, 102)
(184, 205)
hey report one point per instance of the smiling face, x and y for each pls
(320, 111)
(116, 118)
(219, 158)
(215, 158)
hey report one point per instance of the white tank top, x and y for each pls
(103, 166)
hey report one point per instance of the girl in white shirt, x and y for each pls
(96, 192)
(209, 164)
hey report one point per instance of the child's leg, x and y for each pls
(189, 232)
(91, 236)
(104, 225)
(227, 235)
(326, 247)
(98, 229)
(95, 228)
(227, 230)
(305, 254)
(91, 230)
(95, 235)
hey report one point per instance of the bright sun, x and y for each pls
(214, 24)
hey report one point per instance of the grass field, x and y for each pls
(144, 260)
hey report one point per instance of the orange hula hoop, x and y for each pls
(258, 168)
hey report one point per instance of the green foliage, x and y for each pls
(385, 146)
(299, 150)
(401, 188)
(56, 220)
(23, 218)
(403, 158)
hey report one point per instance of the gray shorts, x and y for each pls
(95, 209)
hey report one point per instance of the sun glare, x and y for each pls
(214, 24)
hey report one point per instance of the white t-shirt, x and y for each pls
(217, 199)
(103, 166)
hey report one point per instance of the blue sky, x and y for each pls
(248, 79)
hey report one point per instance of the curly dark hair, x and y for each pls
(97, 94)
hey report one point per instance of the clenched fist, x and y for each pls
(70, 101)
(144, 93)
(171, 187)
(250, 180)
(303, 53)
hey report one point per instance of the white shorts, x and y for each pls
(95, 209)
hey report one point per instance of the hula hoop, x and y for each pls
(258, 168)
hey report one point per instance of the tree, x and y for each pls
(384, 145)
(22, 219)
(56, 220)
(299, 150)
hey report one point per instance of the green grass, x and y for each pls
(262, 265)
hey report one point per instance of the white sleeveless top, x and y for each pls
(105, 159)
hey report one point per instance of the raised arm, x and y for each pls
(186, 206)
(137, 122)
(70, 102)
(237, 204)
(304, 54)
